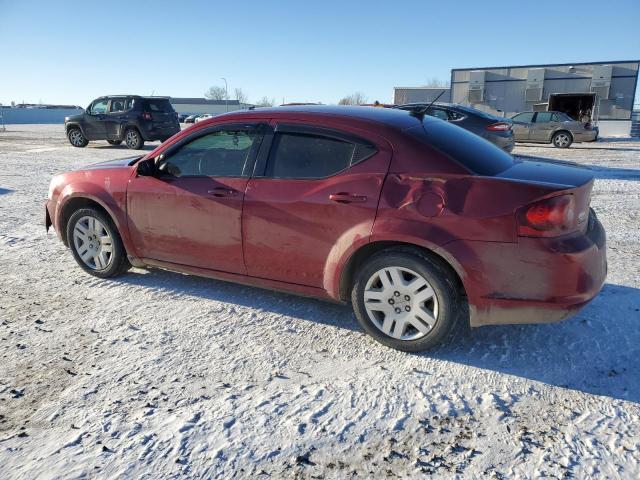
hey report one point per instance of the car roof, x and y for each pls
(392, 117)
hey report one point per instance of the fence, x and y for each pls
(37, 115)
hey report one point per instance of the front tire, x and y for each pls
(133, 139)
(406, 301)
(562, 139)
(96, 244)
(77, 138)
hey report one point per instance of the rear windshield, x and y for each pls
(475, 153)
(158, 105)
(479, 113)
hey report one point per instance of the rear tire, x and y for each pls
(77, 138)
(114, 142)
(562, 139)
(96, 244)
(415, 307)
(133, 139)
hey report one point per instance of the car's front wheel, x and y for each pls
(133, 139)
(406, 301)
(562, 140)
(96, 244)
(76, 138)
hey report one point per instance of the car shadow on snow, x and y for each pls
(605, 173)
(4, 191)
(597, 351)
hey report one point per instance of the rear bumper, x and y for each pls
(535, 280)
(152, 133)
(587, 136)
(506, 143)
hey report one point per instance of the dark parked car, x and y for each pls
(556, 128)
(495, 129)
(408, 218)
(191, 119)
(129, 118)
(182, 117)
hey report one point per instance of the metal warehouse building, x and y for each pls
(605, 90)
(193, 106)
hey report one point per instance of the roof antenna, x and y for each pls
(421, 111)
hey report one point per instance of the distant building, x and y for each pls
(420, 94)
(603, 90)
(193, 106)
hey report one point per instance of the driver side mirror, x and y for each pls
(147, 168)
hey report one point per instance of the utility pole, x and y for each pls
(226, 94)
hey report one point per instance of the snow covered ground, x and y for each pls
(160, 375)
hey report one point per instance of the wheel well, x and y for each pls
(562, 131)
(363, 254)
(73, 205)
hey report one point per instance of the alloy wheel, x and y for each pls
(93, 243)
(131, 139)
(76, 138)
(401, 303)
(562, 140)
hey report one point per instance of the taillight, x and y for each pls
(146, 116)
(499, 127)
(547, 218)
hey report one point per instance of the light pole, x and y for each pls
(226, 95)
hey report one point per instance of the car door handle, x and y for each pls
(343, 197)
(223, 192)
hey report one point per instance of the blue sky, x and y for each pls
(73, 51)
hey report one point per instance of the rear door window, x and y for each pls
(308, 155)
(543, 117)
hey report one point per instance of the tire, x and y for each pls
(562, 139)
(104, 263)
(114, 142)
(77, 138)
(133, 139)
(444, 304)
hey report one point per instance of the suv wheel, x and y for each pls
(96, 244)
(76, 138)
(133, 139)
(114, 142)
(406, 301)
(562, 139)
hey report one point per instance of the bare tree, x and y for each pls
(266, 102)
(435, 82)
(216, 93)
(357, 98)
(241, 96)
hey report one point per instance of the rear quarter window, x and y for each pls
(468, 149)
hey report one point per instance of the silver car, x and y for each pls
(551, 127)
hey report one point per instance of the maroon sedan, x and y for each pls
(406, 216)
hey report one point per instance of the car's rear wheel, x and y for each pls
(76, 138)
(96, 244)
(133, 139)
(114, 142)
(562, 139)
(406, 301)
